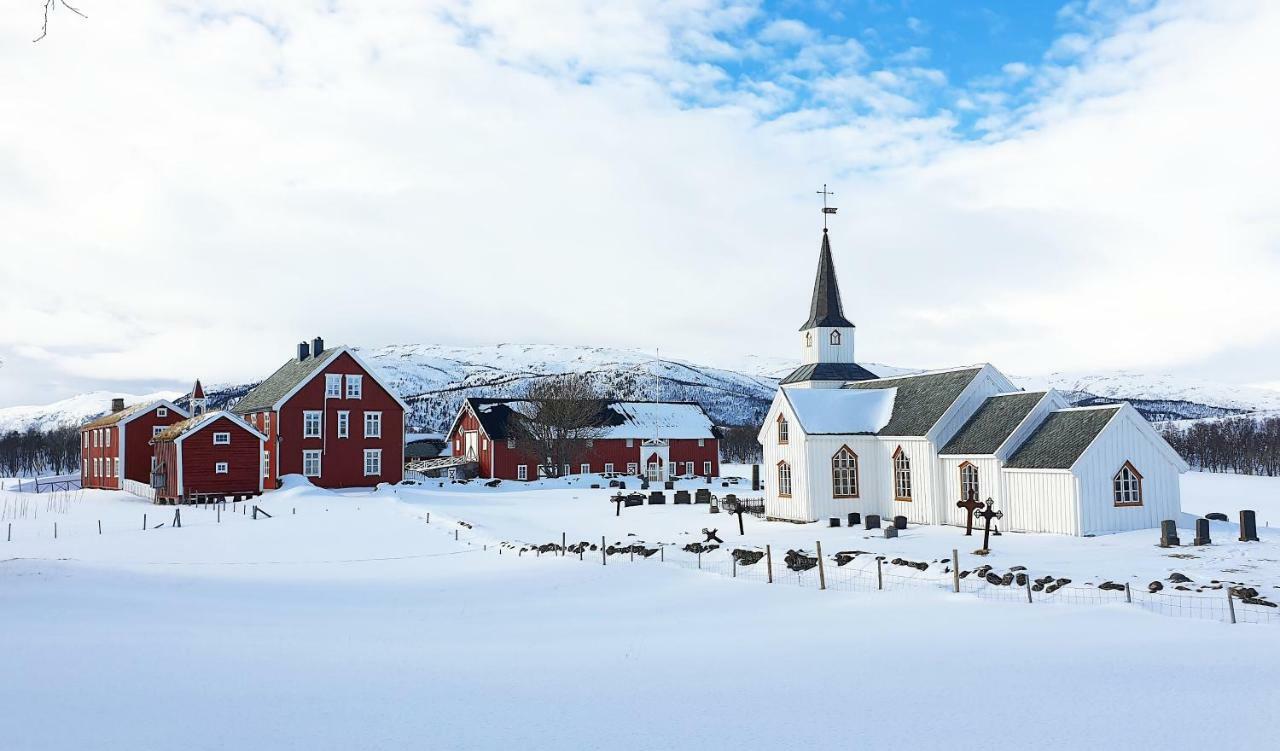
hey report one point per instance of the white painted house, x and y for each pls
(838, 439)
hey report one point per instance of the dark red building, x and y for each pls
(660, 440)
(211, 454)
(117, 446)
(326, 415)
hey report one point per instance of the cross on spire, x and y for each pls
(825, 208)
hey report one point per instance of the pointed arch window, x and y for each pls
(969, 487)
(1127, 486)
(844, 473)
(808, 339)
(901, 475)
(835, 338)
(784, 430)
(784, 480)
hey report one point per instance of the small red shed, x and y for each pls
(211, 454)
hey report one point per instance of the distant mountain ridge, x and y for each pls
(435, 379)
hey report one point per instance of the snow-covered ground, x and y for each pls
(349, 621)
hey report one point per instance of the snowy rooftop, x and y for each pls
(842, 411)
(681, 420)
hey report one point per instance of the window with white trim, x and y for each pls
(969, 487)
(584, 469)
(784, 480)
(311, 463)
(688, 469)
(154, 463)
(355, 386)
(484, 444)
(162, 411)
(633, 468)
(344, 424)
(156, 430)
(372, 424)
(522, 472)
(115, 467)
(372, 462)
(311, 423)
(84, 439)
(220, 468)
(266, 423)
(333, 385)
(901, 475)
(631, 442)
(222, 439)
(108, 438)
(266, 464)
(608, 468)
(784, 430)
(706, 469)
(702, 443)
(1127, 486)
(511, 443)
(844, 473)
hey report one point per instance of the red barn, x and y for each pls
(211, 454)
(660, 439)
(117, 446)
(327, 415)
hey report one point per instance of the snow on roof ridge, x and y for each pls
(958, 368)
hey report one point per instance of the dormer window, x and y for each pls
(784, 430)
(835, 338)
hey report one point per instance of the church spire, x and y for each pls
(825, 309)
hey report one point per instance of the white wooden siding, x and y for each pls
(1041, 500)
(1125, 440)
(872, 488)
(990, 485)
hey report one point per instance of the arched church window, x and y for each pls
(808, 338)
(901, 475)
(1127, 486)
(844, 473)
(784, 480)
(969, 482)
(835, 338)
(784, 430)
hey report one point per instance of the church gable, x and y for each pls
(922, 400)
(993, 423)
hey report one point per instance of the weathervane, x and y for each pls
(825, 208)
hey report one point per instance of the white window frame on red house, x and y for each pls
(706, 469)
(631, 442)
(373, 462)
(108, 439)
(162, 411)
(355, 386)
(155, 430)
(312, 455)
(222, 438)
(376, 418)
(221, 468)
(333, 385)
(633, 468)
(608, 468)
(702, 443)
(266, 423)
(312, 417)
(266, 463)
(522, 472)
(344, 423)
(584, 469)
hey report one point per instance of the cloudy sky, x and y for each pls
(187, 189)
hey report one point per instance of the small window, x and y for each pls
(844, 473)
(355, 386)
(108, 438)
(154, 463)
(156, 430)
(220, 468)
(332, 385)
(784, 480)
(784, 430)
(344, 424)
(372, 424)
(522, 472)
(608, 468)
(808, 339)
(706, 469)
(311, 463)
(372, 462)
(222, 439)
(969, 487)
(631, 442)
(1127, 486)
(511, 443)
(266, 423)
(584, 469)
(311, 424)
(162, 411)
(702, 443)
(484, 444)
(835, 338)
(901, 475)
(266, 464)
(633, 468)
(689, 470)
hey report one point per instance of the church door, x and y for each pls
(653, 468)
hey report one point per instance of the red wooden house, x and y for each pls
(117, 446)
(660, 440)
(328, 416)
(211, 454)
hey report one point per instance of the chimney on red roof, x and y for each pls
(117, 405)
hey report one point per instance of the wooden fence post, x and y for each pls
(144, 521)
(55, 530)
(1028, 580)
(822, 571)
(10, 537)
(735, 568)
(1231, 605)
(768, 559)
(99, 526)
(1128, 595)
(955, 570)
(879, 575)
(604, 557)
(564, 540)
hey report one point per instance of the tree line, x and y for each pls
(1242, 445)
(37, 452)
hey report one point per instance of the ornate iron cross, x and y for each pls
(969, 504)
(988, 514)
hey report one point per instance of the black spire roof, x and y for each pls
(825, 309)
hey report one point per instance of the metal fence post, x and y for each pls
(822, 572)
(604, 557)
(955, 570)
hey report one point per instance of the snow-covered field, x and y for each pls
(347, 621)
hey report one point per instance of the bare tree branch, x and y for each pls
(53, 5)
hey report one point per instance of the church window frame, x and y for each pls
(784, 480)
(784, 430)
(844, 473)
(834, 338)
(1126, 486)
(901, 476)
(970, 481)
(808, 339)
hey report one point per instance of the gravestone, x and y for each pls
(1248, 526)
(873, 521)
(709, 481)
(1169, 534)
(755, 477)
(833, 521)
(1202, 532)
(657, 498)
(633, 500)
(668, 485)
(644, 484)
(855, 519)
(900, 522)
(683, 497)
(702, 495)
(1217, 517)
(890, 532)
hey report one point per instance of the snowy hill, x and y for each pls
(435, 379)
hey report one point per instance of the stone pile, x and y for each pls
(747, 557)
(798, 560)
(699, 547)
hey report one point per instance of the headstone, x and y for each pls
(683, 497)
(833, 521)
(622, 485)
(1217, 517)
(1202, 532)
(1169, 534)
(668, 485)
(701, 495)
(873, 521)
(633, 500)
(890, 532)
(755, 477)
(855, 519)
(644, 484)
(657, 498)
(1248, 526)
(900, 522)
(709, 481)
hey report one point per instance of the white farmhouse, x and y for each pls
(837, 439)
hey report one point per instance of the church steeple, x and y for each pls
(825, 309)
(198, 403)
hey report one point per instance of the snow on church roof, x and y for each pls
(842, 411)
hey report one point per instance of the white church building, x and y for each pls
(838, 439)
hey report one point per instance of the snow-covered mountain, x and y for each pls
(435, 379)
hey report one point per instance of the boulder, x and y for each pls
(797, 560)
(1154, 587)
(1111, 586)
(994, 579)
(1178, 578)
(1217, 517)
(747, 557)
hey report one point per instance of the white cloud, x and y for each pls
(188, 192)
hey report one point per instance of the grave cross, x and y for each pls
(711, 535)
(618, 500)
(988, 514)
(969, 504)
